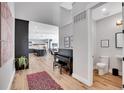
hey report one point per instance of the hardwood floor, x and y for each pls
(38, 64)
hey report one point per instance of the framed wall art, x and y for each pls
(119, 40)
(67, 42)
(104, 43)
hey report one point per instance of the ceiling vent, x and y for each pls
(79, 17)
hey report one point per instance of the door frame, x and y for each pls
(91, 40)
(91, 24)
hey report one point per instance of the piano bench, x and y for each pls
(60, 65)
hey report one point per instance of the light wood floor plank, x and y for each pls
(39, 64)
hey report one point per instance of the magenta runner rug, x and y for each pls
(42, 81)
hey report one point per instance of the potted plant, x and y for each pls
(21, 63)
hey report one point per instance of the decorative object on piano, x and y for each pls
(6, 34)
(67, 42)
(104, 43)
(119, 40)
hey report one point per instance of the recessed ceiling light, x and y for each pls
(103, 9)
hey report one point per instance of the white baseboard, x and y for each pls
(81, 79)
(11, 80)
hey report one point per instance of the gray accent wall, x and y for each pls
(21, 38)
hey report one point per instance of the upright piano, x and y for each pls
(65, 56)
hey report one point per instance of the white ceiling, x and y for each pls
(48, 12)
(67, 5)
(44, 12)
(108, 9)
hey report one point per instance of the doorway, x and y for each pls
(106, 26)
(42, 38)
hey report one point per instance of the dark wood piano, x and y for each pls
(64, 57)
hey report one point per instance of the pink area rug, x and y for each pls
(42, 81)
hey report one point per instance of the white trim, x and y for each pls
(90, 48)
(11, 80)
(85, 81)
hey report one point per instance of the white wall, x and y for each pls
(65, 28)
(40, 31)
(7, 71)
(64, 32)
(106, 29)
(80, 31)
(80, 47)
(65, 16)
(82, 63)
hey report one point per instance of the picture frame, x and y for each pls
(67, 42)
(105, 43)
(119, 40)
